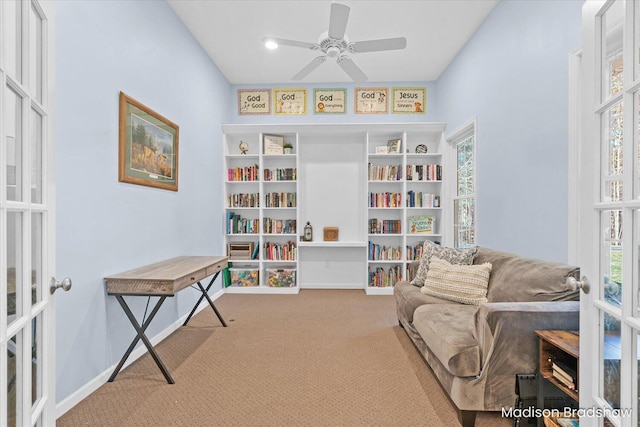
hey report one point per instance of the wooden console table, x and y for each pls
(163, 279)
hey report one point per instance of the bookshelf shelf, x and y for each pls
(332, 167)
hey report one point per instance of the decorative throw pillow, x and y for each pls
(454, 256)
(466, 284)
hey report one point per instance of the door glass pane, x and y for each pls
(36, 157)
(612, 26)
(13, 129)
(14, 379)
(610, 368)
(35, 54)
(612, 139)
(36, 359)
(36, 257)
(14, 265)
(12, 45)
(611, 254)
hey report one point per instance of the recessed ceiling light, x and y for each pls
(270, 44)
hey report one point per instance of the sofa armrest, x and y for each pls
(505, 332)
(412, 269)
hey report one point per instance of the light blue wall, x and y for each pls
(430, 115)
(513, 76)
(103, 226)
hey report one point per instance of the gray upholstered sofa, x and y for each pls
(476, 351)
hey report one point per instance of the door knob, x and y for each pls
(572, 283)
(64, 284)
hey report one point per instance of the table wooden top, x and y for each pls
(165, 277)
(567, 341)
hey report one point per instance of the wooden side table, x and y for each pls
(554, 346)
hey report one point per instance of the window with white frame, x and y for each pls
(464, 199)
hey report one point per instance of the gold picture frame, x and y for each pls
(148, 146)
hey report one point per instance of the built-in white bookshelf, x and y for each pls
(328, 180)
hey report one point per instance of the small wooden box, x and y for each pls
(240, 250)
(330, 234)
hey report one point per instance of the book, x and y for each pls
(568, 383)
(568, 422)
(565, 370)
(421, 224)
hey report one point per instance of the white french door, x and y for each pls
(27, 367)
(610, 213)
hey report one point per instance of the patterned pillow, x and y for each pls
(453, 255)
(466, 284)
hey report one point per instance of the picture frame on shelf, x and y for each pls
(272, 145)
(148, 146)
(382, 149)
(394, 146)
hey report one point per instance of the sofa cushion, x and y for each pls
(466, 284)
(447, 329)
(517, 279)
(454, 256)
(408, 298)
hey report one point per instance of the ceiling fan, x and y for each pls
(335, 44)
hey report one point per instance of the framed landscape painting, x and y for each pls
(148, 148)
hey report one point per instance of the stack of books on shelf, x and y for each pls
(247, 173)
(385, 200)
(422, 200)
(384, 253)
(385, 226)
(278, 226)
(280, 200)
(424, 172)
(381, 278)
(385, 173)
(279, 251)
(236, 224)
(565, 374)
(280, 174)
(243, 200)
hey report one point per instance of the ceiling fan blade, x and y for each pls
(350, 67)
(377, 45)
(294, 43)
(338, 20)
(309, 68)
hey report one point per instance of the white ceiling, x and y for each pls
(231, 32)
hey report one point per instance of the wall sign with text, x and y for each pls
(371, 100)
(254, 101)
(329, 101)
(409, 100)
(290, 101)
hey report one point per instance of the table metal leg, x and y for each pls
(141, 336)
(205, 294)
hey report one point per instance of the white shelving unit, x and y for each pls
(332, 188)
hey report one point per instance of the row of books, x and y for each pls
(385, 173)
(424, 172)
(382, 278)
(414, 252)
(564, 373)
(385, 226)
(279, 226)
(243, 200)
(385, 200)
(384, 253)
(236, 224)
(247, 173)
(280, 174)
(279, 251)
(422, 200)
(280, 200)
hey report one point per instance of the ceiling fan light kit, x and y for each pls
(335, 44)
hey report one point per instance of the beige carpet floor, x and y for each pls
(319, 358)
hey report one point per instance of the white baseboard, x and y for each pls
(76, 397)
